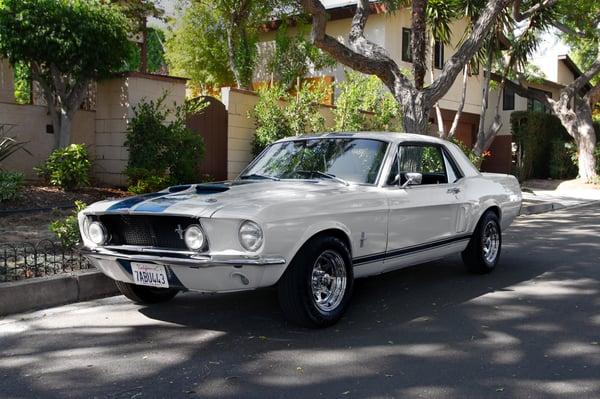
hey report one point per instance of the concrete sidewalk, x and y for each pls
(544, 196)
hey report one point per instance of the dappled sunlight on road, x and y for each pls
(529, 329)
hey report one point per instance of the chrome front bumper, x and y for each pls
(190, 270)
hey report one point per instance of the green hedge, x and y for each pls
(545, 146)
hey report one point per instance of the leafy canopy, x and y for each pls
(80, 38)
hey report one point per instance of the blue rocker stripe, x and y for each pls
(408, 250)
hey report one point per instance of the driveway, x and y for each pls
(531, 329)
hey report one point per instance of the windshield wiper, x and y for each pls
(259, 176)
(324, 174)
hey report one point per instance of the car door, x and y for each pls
(423, 218)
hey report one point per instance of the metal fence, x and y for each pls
(23, 260)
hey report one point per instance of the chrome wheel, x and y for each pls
(490, 242)
(328, 281)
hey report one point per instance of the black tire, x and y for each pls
(474, 256)
(146, 295)
(295, 289)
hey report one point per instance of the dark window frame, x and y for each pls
(406, 45)
(438, 55)
(508, 99)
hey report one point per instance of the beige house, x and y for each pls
(392, 31)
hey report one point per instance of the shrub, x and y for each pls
(279, 114)
(538, 136)
(149, 184)
(560, 163)
(67, 168)
(66, 230)
(162, 150)
(475, 159)
(359, 93)
(11, 184)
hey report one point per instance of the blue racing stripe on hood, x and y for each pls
(161, 204)
(132, 201)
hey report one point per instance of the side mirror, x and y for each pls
(412, 179)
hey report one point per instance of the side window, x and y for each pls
(425, 159)
(453, 172)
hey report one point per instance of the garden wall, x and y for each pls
(30, 123)
(102, 130)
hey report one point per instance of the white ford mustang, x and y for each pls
(309, 215)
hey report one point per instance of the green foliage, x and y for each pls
(359, 93)
(544, 146)
(9, 146)
(475, 158)
(81, 39)
(162, 150)
(68, 167)
(215, 43)
(22, 79)
(148, 183)
(11, 184)
(294, 55)
(66, 230)
(197, 48)
(279, 114)
(156, 53)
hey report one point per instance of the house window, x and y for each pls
(508, 99)
(406, 45)
(535, 105)
(438, 59)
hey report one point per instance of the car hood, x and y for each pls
(204, 200)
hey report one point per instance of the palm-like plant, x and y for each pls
(9, 145)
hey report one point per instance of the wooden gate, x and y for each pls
(211, 124)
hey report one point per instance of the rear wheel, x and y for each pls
(146, 295)
(483, 252)
(316, 287)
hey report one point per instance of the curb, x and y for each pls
(540, 208)
(46, 292)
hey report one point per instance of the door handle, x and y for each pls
(454, 190)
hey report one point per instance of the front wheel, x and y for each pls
(483, 252)
(316, 287)
(146, 295)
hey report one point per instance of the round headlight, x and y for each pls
(194, 237)
(251, 235)
(97, 233)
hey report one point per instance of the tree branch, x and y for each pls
(521, 16)
(521, 90)
(364, 56)
(469, 47)
(565, 29)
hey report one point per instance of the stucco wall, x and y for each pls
(116, 100)
(30, 125)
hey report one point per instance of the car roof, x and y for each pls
(383, 136)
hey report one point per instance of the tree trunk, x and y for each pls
(585, 137)
(415, 114)
(436, 106)
(64, 130)
(461, 105)
(144, 47)
(419, 42)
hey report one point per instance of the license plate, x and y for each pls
(150, 275)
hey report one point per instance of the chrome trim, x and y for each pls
(193, 260)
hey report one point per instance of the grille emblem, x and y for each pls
(179, 231)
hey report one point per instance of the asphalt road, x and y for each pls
(531, 329)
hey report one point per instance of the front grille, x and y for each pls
(147, 230)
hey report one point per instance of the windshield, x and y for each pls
(341, 159)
